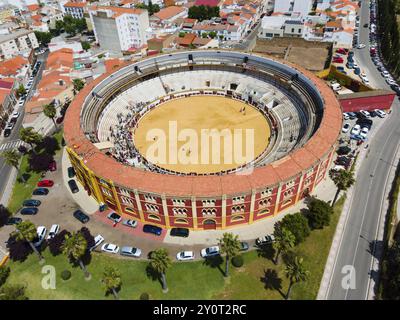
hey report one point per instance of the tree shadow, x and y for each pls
(49, 145)
(288, 257)
(24, 177)
(40, 162)
(152, 274)
(377, 245)
(4, 215)
(272, 281)
(266, 251)
(215, 262)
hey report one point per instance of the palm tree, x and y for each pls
(30, 136)
(343, 180)
(159, 263)
(78, 85)
(230, 245)
(112, 280)
(11, 157)
(74, 247)
(296, 272)
(26, 231)
(284, 240)
(50, 111)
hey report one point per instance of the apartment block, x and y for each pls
(16, 43)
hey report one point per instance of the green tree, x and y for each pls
(159, 263)
(43, 38)
(30, 136)
(295, 272)
(21, 90)
(85, 45)
(319, 213)
(13, 292)
(50, 111)
(112, 280)
(284, 240)
(343, 180)
(230, 246)
(4, 273)
(212, 34)
(75, 247)
(297, 224)
(26, 231)
(11, 157)
(182, 34)
(78, 84)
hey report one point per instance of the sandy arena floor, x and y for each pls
(160, 136)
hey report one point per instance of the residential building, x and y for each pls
(272, 26)
(18, 42)
(300, 7)
(293, 28)
(22, 4)
(7, 100)
(75, 9)
(119, 29)
(169, 14)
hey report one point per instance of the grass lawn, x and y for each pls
(23, 190)
(192, 280)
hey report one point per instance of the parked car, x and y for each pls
(113, 216)
(31, 203)
(364, 132)
(179, 232)
(365, 113)
(361, 46)
(40, 192)
(7, 133)
(71, 172)
(385, 73)
(185, 255)
(45, 183)
(82, 217)
(131, 252)
(15, 115)
(29, 211)
(343, 150)
(346, 128)
(110, 247)
(352, 115)
(97, 241)
(73, 186)
(244, 246)
(261, 241)
(13, 220)
(380, 113)
(41, 234)
(55, 228)
(130, 223)
(356, 130)
(209, 252)
(346, 116)
(148, 228)
(52, 166)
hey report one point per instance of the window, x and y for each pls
(238, 209)
(149, 198)
(179, 211)
(238, 199)
(307, 182)
(288, 193)
(103, 182)
(266, 192)
(209, 203)
(154, 217)
(290, 184)
(151, 207)
(181, 221)
(129, 210)
(265, 202)
(237, 218)
(208, 212)
(126, 200)
(106, 192)
(263, 211)
(178, 202)
(125, 192)
(286, 202)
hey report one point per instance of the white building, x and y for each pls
(22, 4)
(17, 42)
(271, 27)
(75, 9)
(119, 29)
(301, 7)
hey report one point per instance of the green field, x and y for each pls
(190, 280)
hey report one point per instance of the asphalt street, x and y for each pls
(359, 236)
(5, 170)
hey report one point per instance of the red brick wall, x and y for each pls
(367, 103)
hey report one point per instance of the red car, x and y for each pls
(338, 60)
(45, 183)
(52, 166)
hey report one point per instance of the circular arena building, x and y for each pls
(150, 138)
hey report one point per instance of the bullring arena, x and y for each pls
(115, 120)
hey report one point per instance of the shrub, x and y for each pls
(4, 273)
(319, 214)
(18, 250)
(298, 225)
(56, 242)
(144, 296)
(66, 275)
(237, 261)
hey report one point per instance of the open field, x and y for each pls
(199, 114)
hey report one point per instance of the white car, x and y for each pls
(380, 113)
(114, 217)
(109, 247)
(390, 81)
(356, 130)
(55, 228)
(386, 74)
(41, 234)
(346, 116)
(130, 223)
(365, 113)
(346, 128)
(364, 132)
(9, 125)
(185, 255)
(97, 241)
(209, 252)
(355, 65)
(131, 252)
(361, 46)
(365, 80)
(15, 115)
(338, 168)
(21, 103)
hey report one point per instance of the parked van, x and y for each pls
(336, 86)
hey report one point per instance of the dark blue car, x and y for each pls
(78, 214)
(31, 203)
(40, 192)
(29, 211)
(148, 228)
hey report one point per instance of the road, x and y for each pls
(5, 170)
(359, 236)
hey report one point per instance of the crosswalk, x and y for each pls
(12, 145)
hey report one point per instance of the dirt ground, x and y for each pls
(199, 114)
(308, 54)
